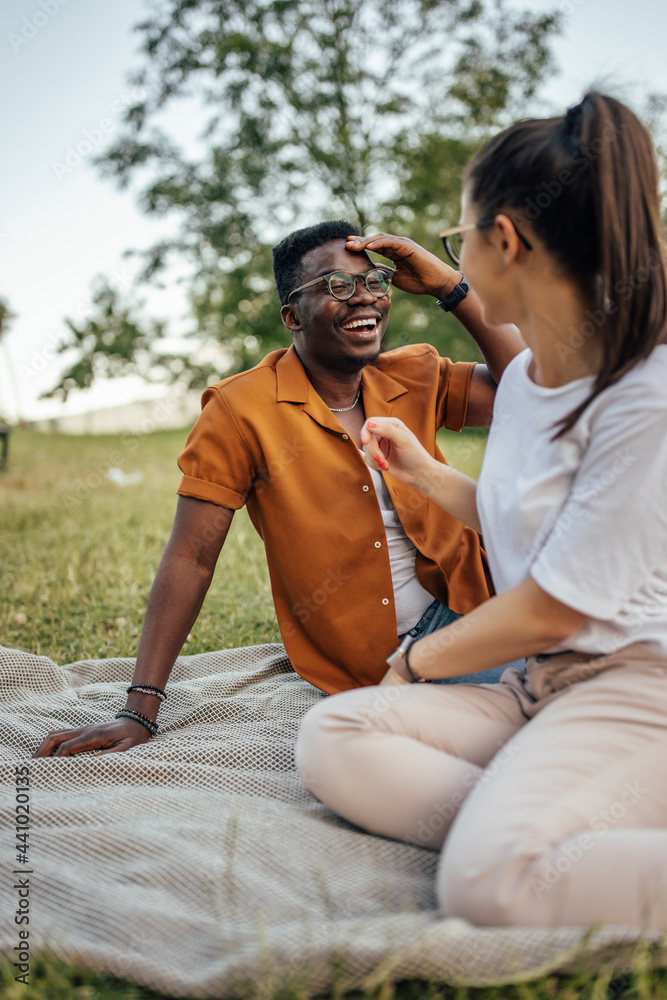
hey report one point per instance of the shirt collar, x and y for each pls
(292, 385)
(291, 380)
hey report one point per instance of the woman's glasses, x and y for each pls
(454, 244)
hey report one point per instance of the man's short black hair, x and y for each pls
(288, 253)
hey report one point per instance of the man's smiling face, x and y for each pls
(340, 335)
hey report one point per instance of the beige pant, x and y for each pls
(557, 780)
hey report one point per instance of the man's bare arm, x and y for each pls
(180, 586)
(181, 583)
(498, 344)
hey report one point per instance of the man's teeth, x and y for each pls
(360, 322)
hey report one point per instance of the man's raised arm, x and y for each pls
(178, 592)
(422, 273)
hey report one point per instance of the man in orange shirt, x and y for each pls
(355, 560)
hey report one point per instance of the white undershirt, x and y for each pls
(410, 599)
(584, 515)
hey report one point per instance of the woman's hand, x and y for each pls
(107, 737)
(390, 446)
(417, 270)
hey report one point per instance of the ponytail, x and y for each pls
(587, 182)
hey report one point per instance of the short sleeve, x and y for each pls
(454, 392)
(216, 463)
(611, 534)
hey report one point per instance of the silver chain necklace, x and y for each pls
(342, 409)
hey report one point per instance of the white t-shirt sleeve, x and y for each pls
(611, 534)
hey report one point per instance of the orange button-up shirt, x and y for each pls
(267, 440)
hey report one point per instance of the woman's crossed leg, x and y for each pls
(565, 815)
(399, 760)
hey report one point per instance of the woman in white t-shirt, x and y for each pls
(548, 789)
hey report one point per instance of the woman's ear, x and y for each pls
(289, 314)
(509, 243)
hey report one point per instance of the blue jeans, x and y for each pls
(437, 616)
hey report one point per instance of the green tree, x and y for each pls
(314, 109)
(116, 340)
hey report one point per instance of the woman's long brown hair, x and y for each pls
(587, 183)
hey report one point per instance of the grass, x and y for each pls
(51, 979)
(80, 553)
(79, 556)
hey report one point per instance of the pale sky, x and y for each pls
(58, 232)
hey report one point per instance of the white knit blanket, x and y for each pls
(198, 865)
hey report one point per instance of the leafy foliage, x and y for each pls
(114, 341)
(317, 101)
(313, 109)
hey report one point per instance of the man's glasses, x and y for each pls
(454, 244)
(342, 284)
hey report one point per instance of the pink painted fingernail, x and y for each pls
(371, 424)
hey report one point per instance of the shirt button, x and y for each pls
(378, 545)
(365, 488)
(345, 437)
(385, 600)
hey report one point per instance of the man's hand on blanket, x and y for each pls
(109, 737)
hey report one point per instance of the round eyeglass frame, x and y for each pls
(387, 272)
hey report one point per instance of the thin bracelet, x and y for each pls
(416, 679)
(128, 713)
(148, 689)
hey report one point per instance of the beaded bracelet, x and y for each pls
(148, 689)
(129, 713)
